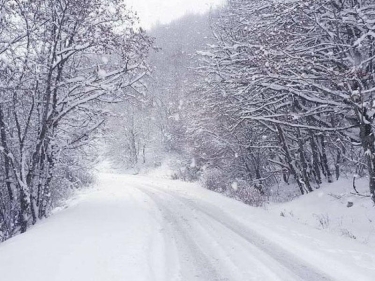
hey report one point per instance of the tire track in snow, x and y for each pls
(287, 260)
(194, 264)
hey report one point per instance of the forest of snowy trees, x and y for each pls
(255, 94)
(287, 92)
(60, 60)
(261, 93)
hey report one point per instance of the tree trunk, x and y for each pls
(23, 217)
(324, 159)
(338, 160)
(7, 163)
(289, 158)
(315, 156)
(368, 139)
(305, 175)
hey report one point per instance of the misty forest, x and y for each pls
(263, 102)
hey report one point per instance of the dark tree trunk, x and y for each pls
(7, 163)
(23, 217)
(338, 160)
(368, 139)
(289, 158)
(325, 159)
(305, 175)
(315, 156)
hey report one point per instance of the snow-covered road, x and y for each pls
(134, 228)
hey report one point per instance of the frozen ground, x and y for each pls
(327, 209)
(141, 228)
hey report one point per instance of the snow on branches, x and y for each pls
(303, 72)
(59, 61)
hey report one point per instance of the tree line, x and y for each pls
(286, 93)
(60, 62)
(280, 92)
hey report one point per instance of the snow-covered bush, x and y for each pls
(214, 179)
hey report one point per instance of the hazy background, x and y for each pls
(152, 12)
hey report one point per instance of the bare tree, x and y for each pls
(59, 61)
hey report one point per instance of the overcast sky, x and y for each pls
(164, 11)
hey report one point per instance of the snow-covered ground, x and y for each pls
(334, 208)
(142, 228)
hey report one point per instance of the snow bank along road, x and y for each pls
(134, 228)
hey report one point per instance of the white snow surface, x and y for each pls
(327, 209)
(142, 228)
